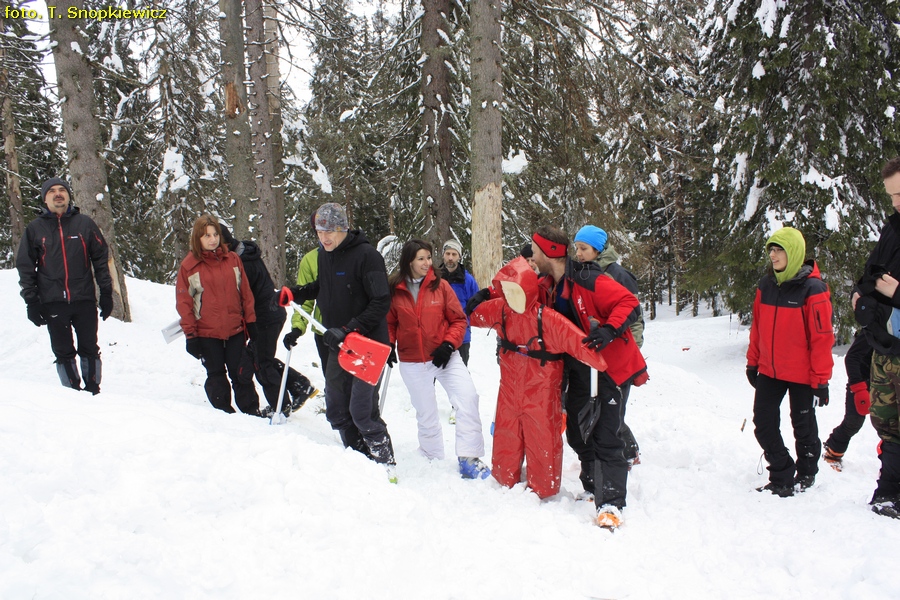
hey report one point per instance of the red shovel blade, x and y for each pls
(363, 357)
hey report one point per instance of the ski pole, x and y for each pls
(384, 388)
(278, 418)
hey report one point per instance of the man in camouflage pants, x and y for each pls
(876, 304)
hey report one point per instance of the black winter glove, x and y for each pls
(193, 347)
(821, 393)
(392, 358)
(752, 374)
(252, 331)
(476, 299)
(106, 306)
(442, 355)
(334, 337)
(291, 337)
(35, 315)
(600, 337)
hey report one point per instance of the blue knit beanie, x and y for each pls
(593, 236)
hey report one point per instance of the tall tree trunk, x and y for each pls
(486, 150)
(268, 182)
(81, 129)
(238, 151)
(13, 189)
(436, 191)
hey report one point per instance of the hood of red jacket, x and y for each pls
(518, 272)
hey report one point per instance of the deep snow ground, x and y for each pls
(145, 491)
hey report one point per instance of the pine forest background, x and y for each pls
(685, 128)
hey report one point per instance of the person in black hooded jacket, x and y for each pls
(876, 304)
(353, 295)
(59, 257)
(270, 318)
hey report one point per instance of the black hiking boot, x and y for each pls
(782, 491)
(885, 505)
(804, 482)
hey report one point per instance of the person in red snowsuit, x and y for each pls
(529, 411)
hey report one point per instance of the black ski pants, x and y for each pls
(221, 355)
(839, 439)
(767, 421)
(351, 407)
(62, 318)
(584, 449)
(604, 468)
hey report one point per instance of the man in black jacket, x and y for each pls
(353, 295)
(61, 253)
(876, 304)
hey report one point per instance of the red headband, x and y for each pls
(550, 249)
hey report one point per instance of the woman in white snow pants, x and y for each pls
(428, 325)
(419, 378)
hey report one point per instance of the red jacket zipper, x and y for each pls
(62, 240)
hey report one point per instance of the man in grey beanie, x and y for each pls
(59, 256)
(353, 295)
(463, 285)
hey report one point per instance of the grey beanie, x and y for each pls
(50, 183)
(453, 244)
(332, 217)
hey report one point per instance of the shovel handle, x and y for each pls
(312, 320)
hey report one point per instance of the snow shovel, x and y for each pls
(358, 355)
(278, 417)
(590, 413)
(384, 388)
(172, 331)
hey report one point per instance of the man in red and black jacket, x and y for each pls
(59, 256)
(604, 309)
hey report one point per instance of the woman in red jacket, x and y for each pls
(790, 352)
(215, 303)
(428, 324)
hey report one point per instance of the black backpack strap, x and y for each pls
(541, 354)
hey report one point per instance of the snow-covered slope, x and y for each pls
(145, 491)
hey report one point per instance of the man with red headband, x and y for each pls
(604, 309)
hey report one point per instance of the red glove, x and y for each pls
(861, 397)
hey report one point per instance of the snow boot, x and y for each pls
(91, 369)
(609, 517)
(473, 468)
(68, 373)
(886, 505)
(782, 491)
(391, 470)
(300, 390)
(835, 460)
(804, 482)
